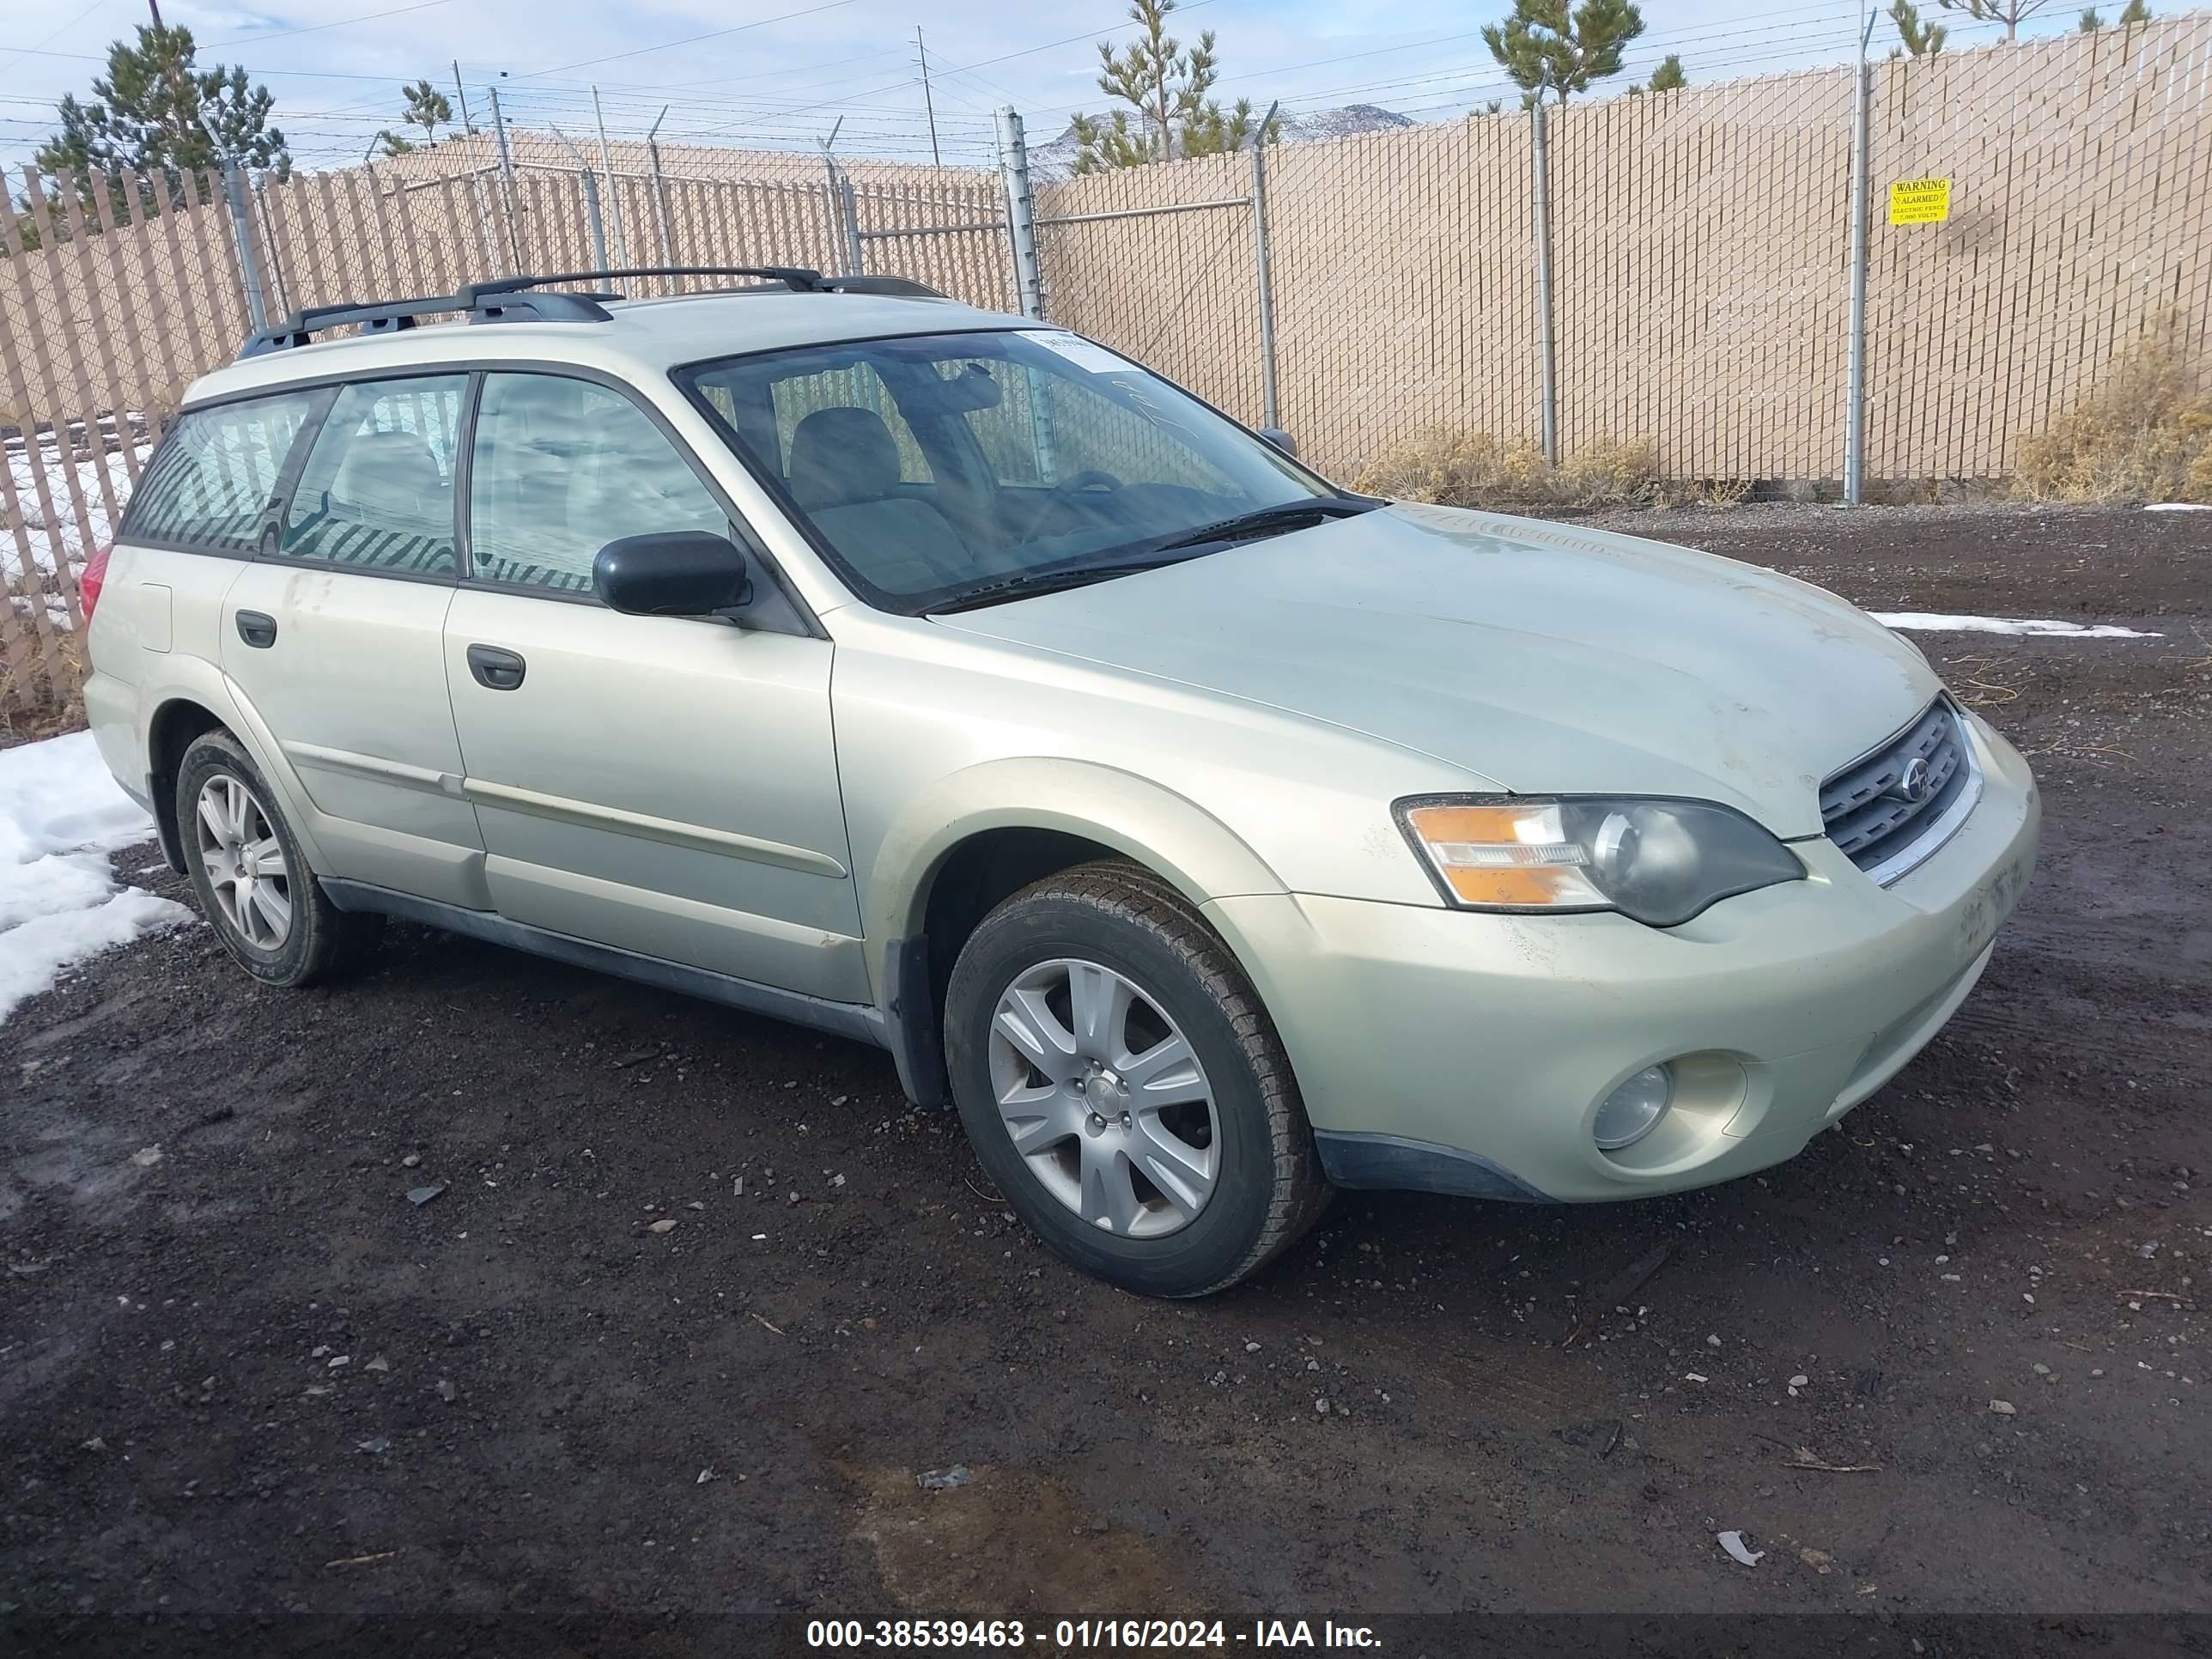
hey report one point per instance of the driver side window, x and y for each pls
(561, 468)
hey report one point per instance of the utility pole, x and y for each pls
(467, 131)
(928, 108)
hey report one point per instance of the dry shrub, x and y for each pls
(1454, 468)
(2144, 435)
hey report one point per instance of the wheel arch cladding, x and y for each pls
(175, 726)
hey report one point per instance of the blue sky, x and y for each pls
(780, 72)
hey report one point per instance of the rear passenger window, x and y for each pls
(377, 490)
(212, 479)
(561, 467)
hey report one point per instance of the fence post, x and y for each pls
(1271, 415)
(659, 187)
(845, 216)
(614, 190)
(1021, 212)
(1855, 386)
(249, 257)
(591, 201)
(1541, 165)
(506, 181)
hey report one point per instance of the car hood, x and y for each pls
(1541, 658)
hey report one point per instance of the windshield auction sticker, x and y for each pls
(1082, 352)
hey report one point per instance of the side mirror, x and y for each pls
(1280, 439)
(677, 573)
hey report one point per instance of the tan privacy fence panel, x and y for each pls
(1701, 262)
(1701, 270)
(110, 306)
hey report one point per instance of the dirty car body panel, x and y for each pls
(999, 583)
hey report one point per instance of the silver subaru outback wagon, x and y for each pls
(1211, 837)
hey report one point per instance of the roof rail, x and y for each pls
(515, 298)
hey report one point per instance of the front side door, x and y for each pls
(663, 785)
(335, 636)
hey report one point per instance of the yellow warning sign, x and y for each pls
(1920, 202)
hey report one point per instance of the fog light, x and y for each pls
(1633, 1110)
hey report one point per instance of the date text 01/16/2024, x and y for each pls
(1084, 1635)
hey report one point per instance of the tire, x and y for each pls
(1179, 1198)
(252, 880)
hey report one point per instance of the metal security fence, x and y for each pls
(113, 301)
(1676, 268)
(1700, 257)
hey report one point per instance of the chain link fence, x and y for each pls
(1700, 262)
(1699, 257)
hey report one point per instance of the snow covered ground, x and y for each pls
(61, 817)
(59, 537)
(1931, 622)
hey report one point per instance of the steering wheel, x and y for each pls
(1061, 498)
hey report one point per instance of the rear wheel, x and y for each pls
(250, 877)
(1122, 1085)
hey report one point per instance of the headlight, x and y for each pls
(1659, 861)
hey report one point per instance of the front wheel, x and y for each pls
(1125, 1089)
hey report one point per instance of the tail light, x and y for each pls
(91, 579)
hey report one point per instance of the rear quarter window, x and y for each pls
(214, 477)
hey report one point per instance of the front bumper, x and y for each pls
(1460, 1052)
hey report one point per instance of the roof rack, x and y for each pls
(515, 299)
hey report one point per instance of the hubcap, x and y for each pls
(244, 862)
(1104, 1098)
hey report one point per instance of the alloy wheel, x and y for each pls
(1104, 1098)
(243, 861)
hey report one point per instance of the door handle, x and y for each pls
(257, 628)
(495, 669)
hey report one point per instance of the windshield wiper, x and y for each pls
(1045, 581)
(1271, 521)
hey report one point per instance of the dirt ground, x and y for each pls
(1948, 1361)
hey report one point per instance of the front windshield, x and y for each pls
(934, 465)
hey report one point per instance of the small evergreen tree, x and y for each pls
(1669, 77)
(2011, 13)
(1918, 39)
(2136, 12)
(1546, 48)
(2090, 22)
(393, 143)
(1167, 87)
(427, 107)
(156, 112)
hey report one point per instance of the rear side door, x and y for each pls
(335, 634)
(663, 785)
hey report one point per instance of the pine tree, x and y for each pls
(394, 144)
(2090, 22)
(1919, 39)
(156, 111)
(1546, 48)
(426, 108)
(2136, 12)
(2011, 13)
(1669, 77)
(1167, 87)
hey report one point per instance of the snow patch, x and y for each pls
(2179, 506)
(61, 817)
(55, 539)
(1932, 622)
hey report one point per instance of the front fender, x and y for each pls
(1168, 834)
